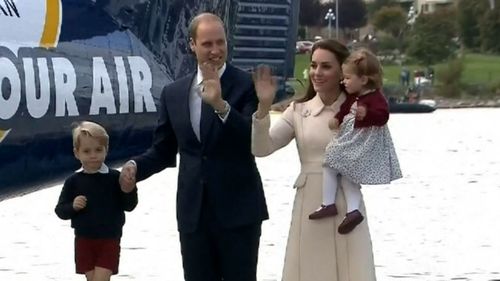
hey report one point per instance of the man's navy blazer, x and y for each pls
(220, 167)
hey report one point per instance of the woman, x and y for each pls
(315, 250)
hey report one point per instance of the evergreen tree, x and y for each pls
(490, 31)
(391, 20)
(469, 13)
(376, 5)
(432, 37)
(310, 12)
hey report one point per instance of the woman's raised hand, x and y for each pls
(265, 87)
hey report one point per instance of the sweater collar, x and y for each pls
(103, 170)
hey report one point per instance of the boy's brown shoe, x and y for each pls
(323, 212)
(350, 221)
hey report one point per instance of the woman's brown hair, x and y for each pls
(340, 52)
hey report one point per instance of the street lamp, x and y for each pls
(412, 15)
(330, 16)
(337, 19)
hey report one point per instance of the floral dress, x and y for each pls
(365, 155)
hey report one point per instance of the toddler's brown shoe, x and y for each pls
(323, 212)
(351, 220)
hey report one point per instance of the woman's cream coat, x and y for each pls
(315, 250)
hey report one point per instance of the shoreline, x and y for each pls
(466, 103)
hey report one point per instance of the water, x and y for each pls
(440, 222)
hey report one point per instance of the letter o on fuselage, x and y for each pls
(10, 89)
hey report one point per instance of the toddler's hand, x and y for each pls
(360, 112)
(79, 203)
(333, 123)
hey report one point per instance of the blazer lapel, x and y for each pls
(184, 110)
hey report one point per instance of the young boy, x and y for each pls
(94, 202)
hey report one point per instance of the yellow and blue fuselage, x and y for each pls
(63, 61)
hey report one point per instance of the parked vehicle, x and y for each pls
(303, 47)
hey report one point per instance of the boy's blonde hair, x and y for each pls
(363, 62)
(90, 129)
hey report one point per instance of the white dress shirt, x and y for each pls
(102, 170)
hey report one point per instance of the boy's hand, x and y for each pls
(360, 112)
(79, 203)
(333, 123)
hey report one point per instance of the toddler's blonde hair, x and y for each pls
(89, 129)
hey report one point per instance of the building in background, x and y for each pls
(430, 6)
(424, 6)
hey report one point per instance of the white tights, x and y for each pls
(352, 190)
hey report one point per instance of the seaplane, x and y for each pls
(63, 61)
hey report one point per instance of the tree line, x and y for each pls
(427, 39)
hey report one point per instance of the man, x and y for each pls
(206, 118)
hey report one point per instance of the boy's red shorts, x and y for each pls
(90, 253)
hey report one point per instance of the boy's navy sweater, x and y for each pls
(103, 216)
